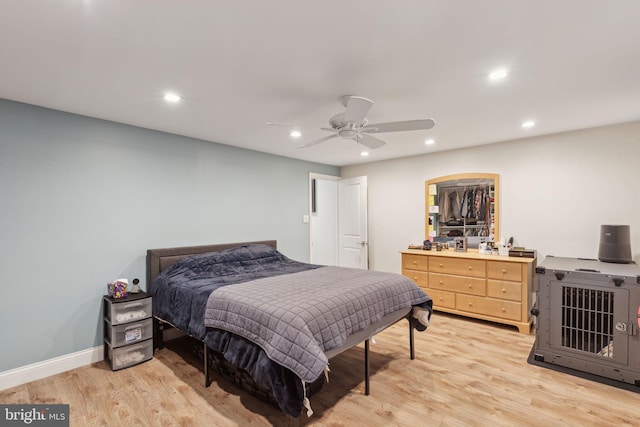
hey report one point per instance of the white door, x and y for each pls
(352, 223)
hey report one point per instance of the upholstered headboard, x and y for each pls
(160, 259)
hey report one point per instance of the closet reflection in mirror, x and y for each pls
(463, 205)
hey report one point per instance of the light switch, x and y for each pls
(305, 219)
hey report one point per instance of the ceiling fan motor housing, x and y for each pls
(346, 130)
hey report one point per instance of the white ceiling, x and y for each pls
(238, 65)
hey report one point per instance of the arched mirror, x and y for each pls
(463, 205)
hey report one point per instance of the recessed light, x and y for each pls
(528, 124)
(295, 134)
(429, 142)
(498, 74)
(364, 153)
(172, 97)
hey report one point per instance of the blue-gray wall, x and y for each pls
(81, 200)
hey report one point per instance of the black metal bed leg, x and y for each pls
(207, 376)
(366, 368)
(412, 349)
(158, 337)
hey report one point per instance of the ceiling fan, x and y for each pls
(353, 124)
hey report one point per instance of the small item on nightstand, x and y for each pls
(135, 289)
(117, 288)
(414, 246)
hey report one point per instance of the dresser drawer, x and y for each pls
(129, 333)
(504, 270)
(420, 278)
(127, 311)
(414, 262)
(442, 299)
(458, 266)
(130, 355)
(463, 284)
(504, 290)
(489, 306)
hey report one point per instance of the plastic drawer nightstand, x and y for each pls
(128, 330)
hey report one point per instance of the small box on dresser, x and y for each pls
(128, 330)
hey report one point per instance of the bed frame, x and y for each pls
(160, 259)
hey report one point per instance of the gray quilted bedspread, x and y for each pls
(296, 317)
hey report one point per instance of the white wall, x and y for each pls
(555, 191)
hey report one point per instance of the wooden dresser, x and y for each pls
(488, 287)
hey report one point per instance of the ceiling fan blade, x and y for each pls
(400, 126)
(357, 109)
(369, 141)
(317, 141)
(282, 125)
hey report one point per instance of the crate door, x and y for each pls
(590, 321)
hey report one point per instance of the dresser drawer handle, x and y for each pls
(470, 268)
(441, 282)
(504, 309)
(415, 262)
(504, 270)
(441, 299)
(441, 265)
(470, 286)
(504, 291)
(470, 305)
(415, 278)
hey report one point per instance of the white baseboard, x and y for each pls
(50, 367)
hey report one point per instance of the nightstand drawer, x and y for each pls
(129, 333)
(123, 357)
(128, 311)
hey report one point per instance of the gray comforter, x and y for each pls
(296, 317)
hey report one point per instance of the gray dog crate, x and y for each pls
(588, 317)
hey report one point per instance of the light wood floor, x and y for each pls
(466, 373)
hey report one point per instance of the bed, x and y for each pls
(276, 320)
